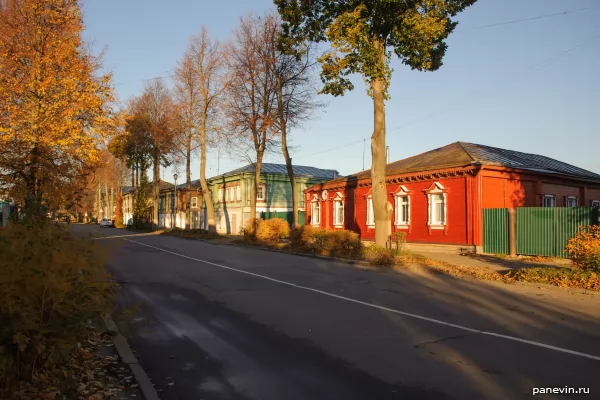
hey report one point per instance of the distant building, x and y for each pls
(231, 196)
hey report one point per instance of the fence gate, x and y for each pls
(495, 230)
(544, 231)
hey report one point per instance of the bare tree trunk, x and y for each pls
(188, 181)
(254, 194)
(133, 176)
(380, 212)
(208, 201)
(99, 215)
(156, 188)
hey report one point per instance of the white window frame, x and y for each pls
(400, 197)
(571, 199)
(238, 193)
(550, 197)
(220, 195)
(263, 192)
(338, 205)
(595, 203)
(432, 207)
(315, 212)
(232, 193)
(370, 215)
(194, 202)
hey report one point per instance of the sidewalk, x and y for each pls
(492, 262)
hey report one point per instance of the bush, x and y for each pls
(584, 248)
(303, 236)
(400, 239)
(271, 230)
(50, 285)
(379, 256)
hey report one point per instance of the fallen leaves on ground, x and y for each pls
(89, 375)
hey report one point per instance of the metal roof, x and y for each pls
(459, 154)
(280, 169)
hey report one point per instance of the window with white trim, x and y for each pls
(402, 210)
(549, 200)
(220, 193)
(261, 193)
(571, 201)
(194, 202)
(438, 209)
(315, 212)
(596, 203)
(370, 214)
(232, 193)
(338, 212)
(238, 193)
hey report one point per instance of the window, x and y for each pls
(571, 201)
(338, 212)
(549, 200)
(261, 193)
(315, 212)
(194, 202)
(232, 194)
(438, 209)
(402, 210)
(238, 193)
(220, 193)
(370, 216)
(596, 203)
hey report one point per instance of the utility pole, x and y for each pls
(364, 148)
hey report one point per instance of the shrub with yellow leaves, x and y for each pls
(584, 248)
(50, 285)
(271, 230)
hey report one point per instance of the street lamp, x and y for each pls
(175, 200)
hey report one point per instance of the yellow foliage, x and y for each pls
(50, 285)
(56, 110)
(336, 243)
(584, 248)
(271, 230)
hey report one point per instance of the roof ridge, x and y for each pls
(461, 144)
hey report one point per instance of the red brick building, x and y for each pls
(437, 197)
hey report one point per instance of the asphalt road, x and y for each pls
(223, 322)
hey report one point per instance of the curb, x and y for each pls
(127, 356)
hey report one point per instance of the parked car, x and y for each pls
(105, 222)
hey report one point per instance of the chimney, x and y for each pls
(387, 154)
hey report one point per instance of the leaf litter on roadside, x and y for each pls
(89, 375)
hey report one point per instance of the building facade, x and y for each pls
(231, 193)
(437, 197)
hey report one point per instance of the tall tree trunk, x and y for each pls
(99, 215)
(290, 171)
(208, 201)
(156, 188)
(286, 153)
(257, 170)
(133, 176)
(380, 211)
(188, 181)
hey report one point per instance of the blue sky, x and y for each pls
(530, 86)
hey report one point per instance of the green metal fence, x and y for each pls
(286, 215)
(495, 230)
(544, 231)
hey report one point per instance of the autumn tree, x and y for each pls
(55, 110)
(363, 35)
(251, 95)
(155, 113)
(200, 84)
